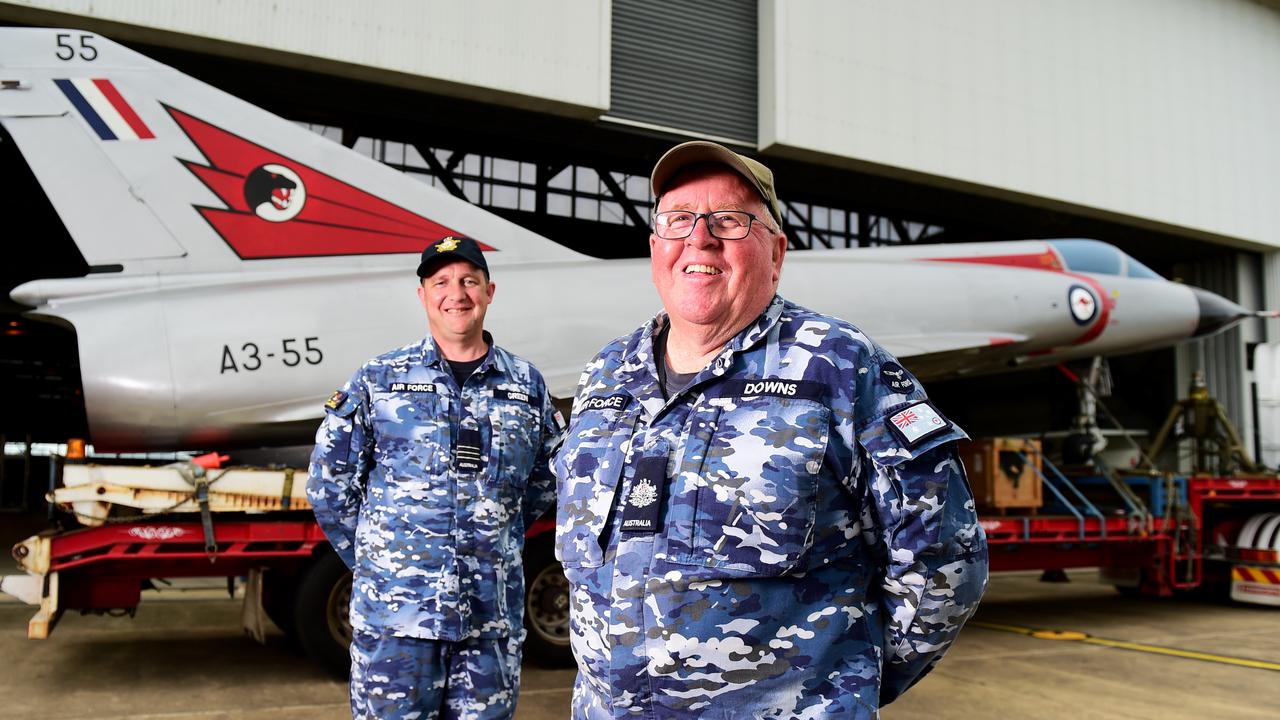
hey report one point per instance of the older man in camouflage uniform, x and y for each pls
(760, 515)
(429, 465)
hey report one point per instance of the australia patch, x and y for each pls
(413, 387)
(644, 500)
(468, 456)
(335, 400)
(606, 402)
(916, 423)
(895, 377)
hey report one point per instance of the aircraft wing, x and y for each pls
(917, 345)
(936, 355)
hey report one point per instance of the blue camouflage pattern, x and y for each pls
(810, 561)
(400, 678)
(436, 552)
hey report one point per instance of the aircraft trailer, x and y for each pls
(1151, 534)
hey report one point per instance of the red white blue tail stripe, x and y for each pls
(105, 109)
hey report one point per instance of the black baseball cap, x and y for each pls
(448, 250)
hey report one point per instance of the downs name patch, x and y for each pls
(797, 389)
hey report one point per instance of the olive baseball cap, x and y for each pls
(448, 250)
(701, 151)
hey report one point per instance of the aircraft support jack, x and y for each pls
(1201, 419)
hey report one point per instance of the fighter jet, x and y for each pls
(241, 266)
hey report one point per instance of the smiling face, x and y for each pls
(715, 287)
(456, 296)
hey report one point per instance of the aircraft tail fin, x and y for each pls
(152, 171)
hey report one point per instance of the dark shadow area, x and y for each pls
(39, 362)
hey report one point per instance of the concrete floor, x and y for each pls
(183, 657)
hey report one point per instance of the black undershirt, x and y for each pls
(672, 382)
(462, 370)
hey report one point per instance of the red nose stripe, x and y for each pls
(1040, 261)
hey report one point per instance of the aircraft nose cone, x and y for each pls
(1216, 312)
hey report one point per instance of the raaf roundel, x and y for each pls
(277, 207)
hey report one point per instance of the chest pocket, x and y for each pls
(412, 432)
(755, 497)
(517, 429)
(588, 467)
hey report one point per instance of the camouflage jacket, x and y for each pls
(792, 536)
(434, 541)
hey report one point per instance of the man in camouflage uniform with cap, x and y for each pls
(429, 465)
(761, 515)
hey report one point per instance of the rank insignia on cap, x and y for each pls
(447, 245)
(335, 400)
(917, 423)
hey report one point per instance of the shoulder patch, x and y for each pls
(895, 377)
(335, 400)
(916, 423)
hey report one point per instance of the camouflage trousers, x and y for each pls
(590, 704)
(415, 679)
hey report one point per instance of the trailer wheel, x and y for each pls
(320, 610)
(546, 605)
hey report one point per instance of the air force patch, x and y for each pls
(916, 423)
(401, 387)
(896, 378)
(606, 402)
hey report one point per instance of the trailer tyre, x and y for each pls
(320, 610)
(546, 605)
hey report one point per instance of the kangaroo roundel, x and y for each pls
(1084, 306)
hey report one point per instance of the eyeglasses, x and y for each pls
(722, 224)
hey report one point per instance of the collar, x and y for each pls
(496, 359)
(640, 348)
(638, 371)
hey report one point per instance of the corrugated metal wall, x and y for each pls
(1236, 276)
(686, 65)
(1271, 292)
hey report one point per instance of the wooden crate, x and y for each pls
(1000, 479)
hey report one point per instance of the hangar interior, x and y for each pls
(884, 124)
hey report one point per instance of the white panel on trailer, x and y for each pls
(1266, 370)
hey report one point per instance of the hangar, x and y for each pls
(1146, 124)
